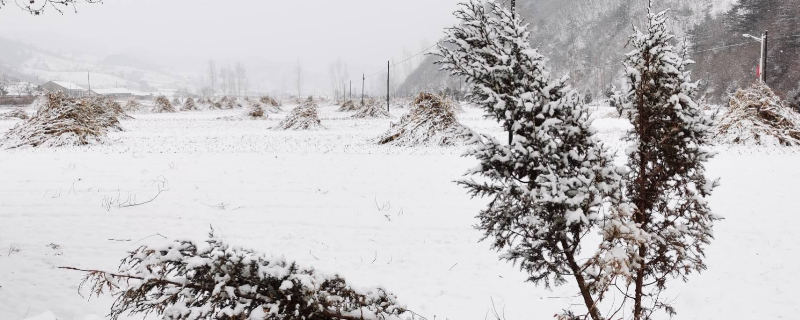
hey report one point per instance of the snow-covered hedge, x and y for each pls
(186, 280)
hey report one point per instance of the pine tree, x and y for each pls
(661, 234)
(548, 185)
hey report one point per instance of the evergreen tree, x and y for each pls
(661, 234)
(548, 185)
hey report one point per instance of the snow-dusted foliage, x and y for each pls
(661, 231)
(186, 280)
(66, 121)
(550, 181)
(370, 109)
(430, 122)
(189, 105)
(757, 116)
(302, 117)
(162, 105)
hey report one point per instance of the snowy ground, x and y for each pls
(376, 215)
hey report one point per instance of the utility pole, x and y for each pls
(351, 90)
(388, 66)
(89, 80)
(762, 62)
(764, 57)
(363, 80)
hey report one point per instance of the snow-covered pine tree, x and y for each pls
(549, 184)
(661, 233)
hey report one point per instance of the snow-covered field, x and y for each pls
(331, 199)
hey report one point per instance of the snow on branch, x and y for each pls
(186, 280)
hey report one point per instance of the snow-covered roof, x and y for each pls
(68, 85)
(113, 91)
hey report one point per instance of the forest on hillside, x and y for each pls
(587, 40)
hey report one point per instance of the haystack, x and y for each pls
(255, 110)
(431, 121)
(303, 117)
(372, 109)
(162, 105)
(226, 103)
(271, 104)
(348, 105)
(133, 105)
(756, 116)
(15, 114)
(189, 105)
(176, 101)
(66, 121)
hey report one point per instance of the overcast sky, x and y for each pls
(184, 34)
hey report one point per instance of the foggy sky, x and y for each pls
(184, 34)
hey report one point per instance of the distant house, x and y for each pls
(71, 89)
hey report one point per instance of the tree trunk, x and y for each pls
(587, 296)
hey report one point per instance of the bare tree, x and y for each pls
(212, 70)
(299, 75)
(339, 77)
(223, 71)
(241, 78)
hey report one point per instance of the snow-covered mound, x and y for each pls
(757, 116)
(372, 109)
(15, 114)
(303, 117)
(431, 121)
(272, 104)
(162, 105)
(189, 105)
(65, 121)
(348, 105)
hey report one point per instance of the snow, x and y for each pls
(376, 215)
(68, 85)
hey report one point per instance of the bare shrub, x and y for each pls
(66, 121)
(431, 121)
(756, 116)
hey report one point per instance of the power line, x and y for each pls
(407, 59)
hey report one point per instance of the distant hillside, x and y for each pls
(723, 70)
(586, 39)
(36, 65)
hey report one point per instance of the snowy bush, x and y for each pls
(550, 183)
(162, 105)
(302, 117)
(66, 121)
(186, 280)
(660, 230)
(757, 116)
(431, 121)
